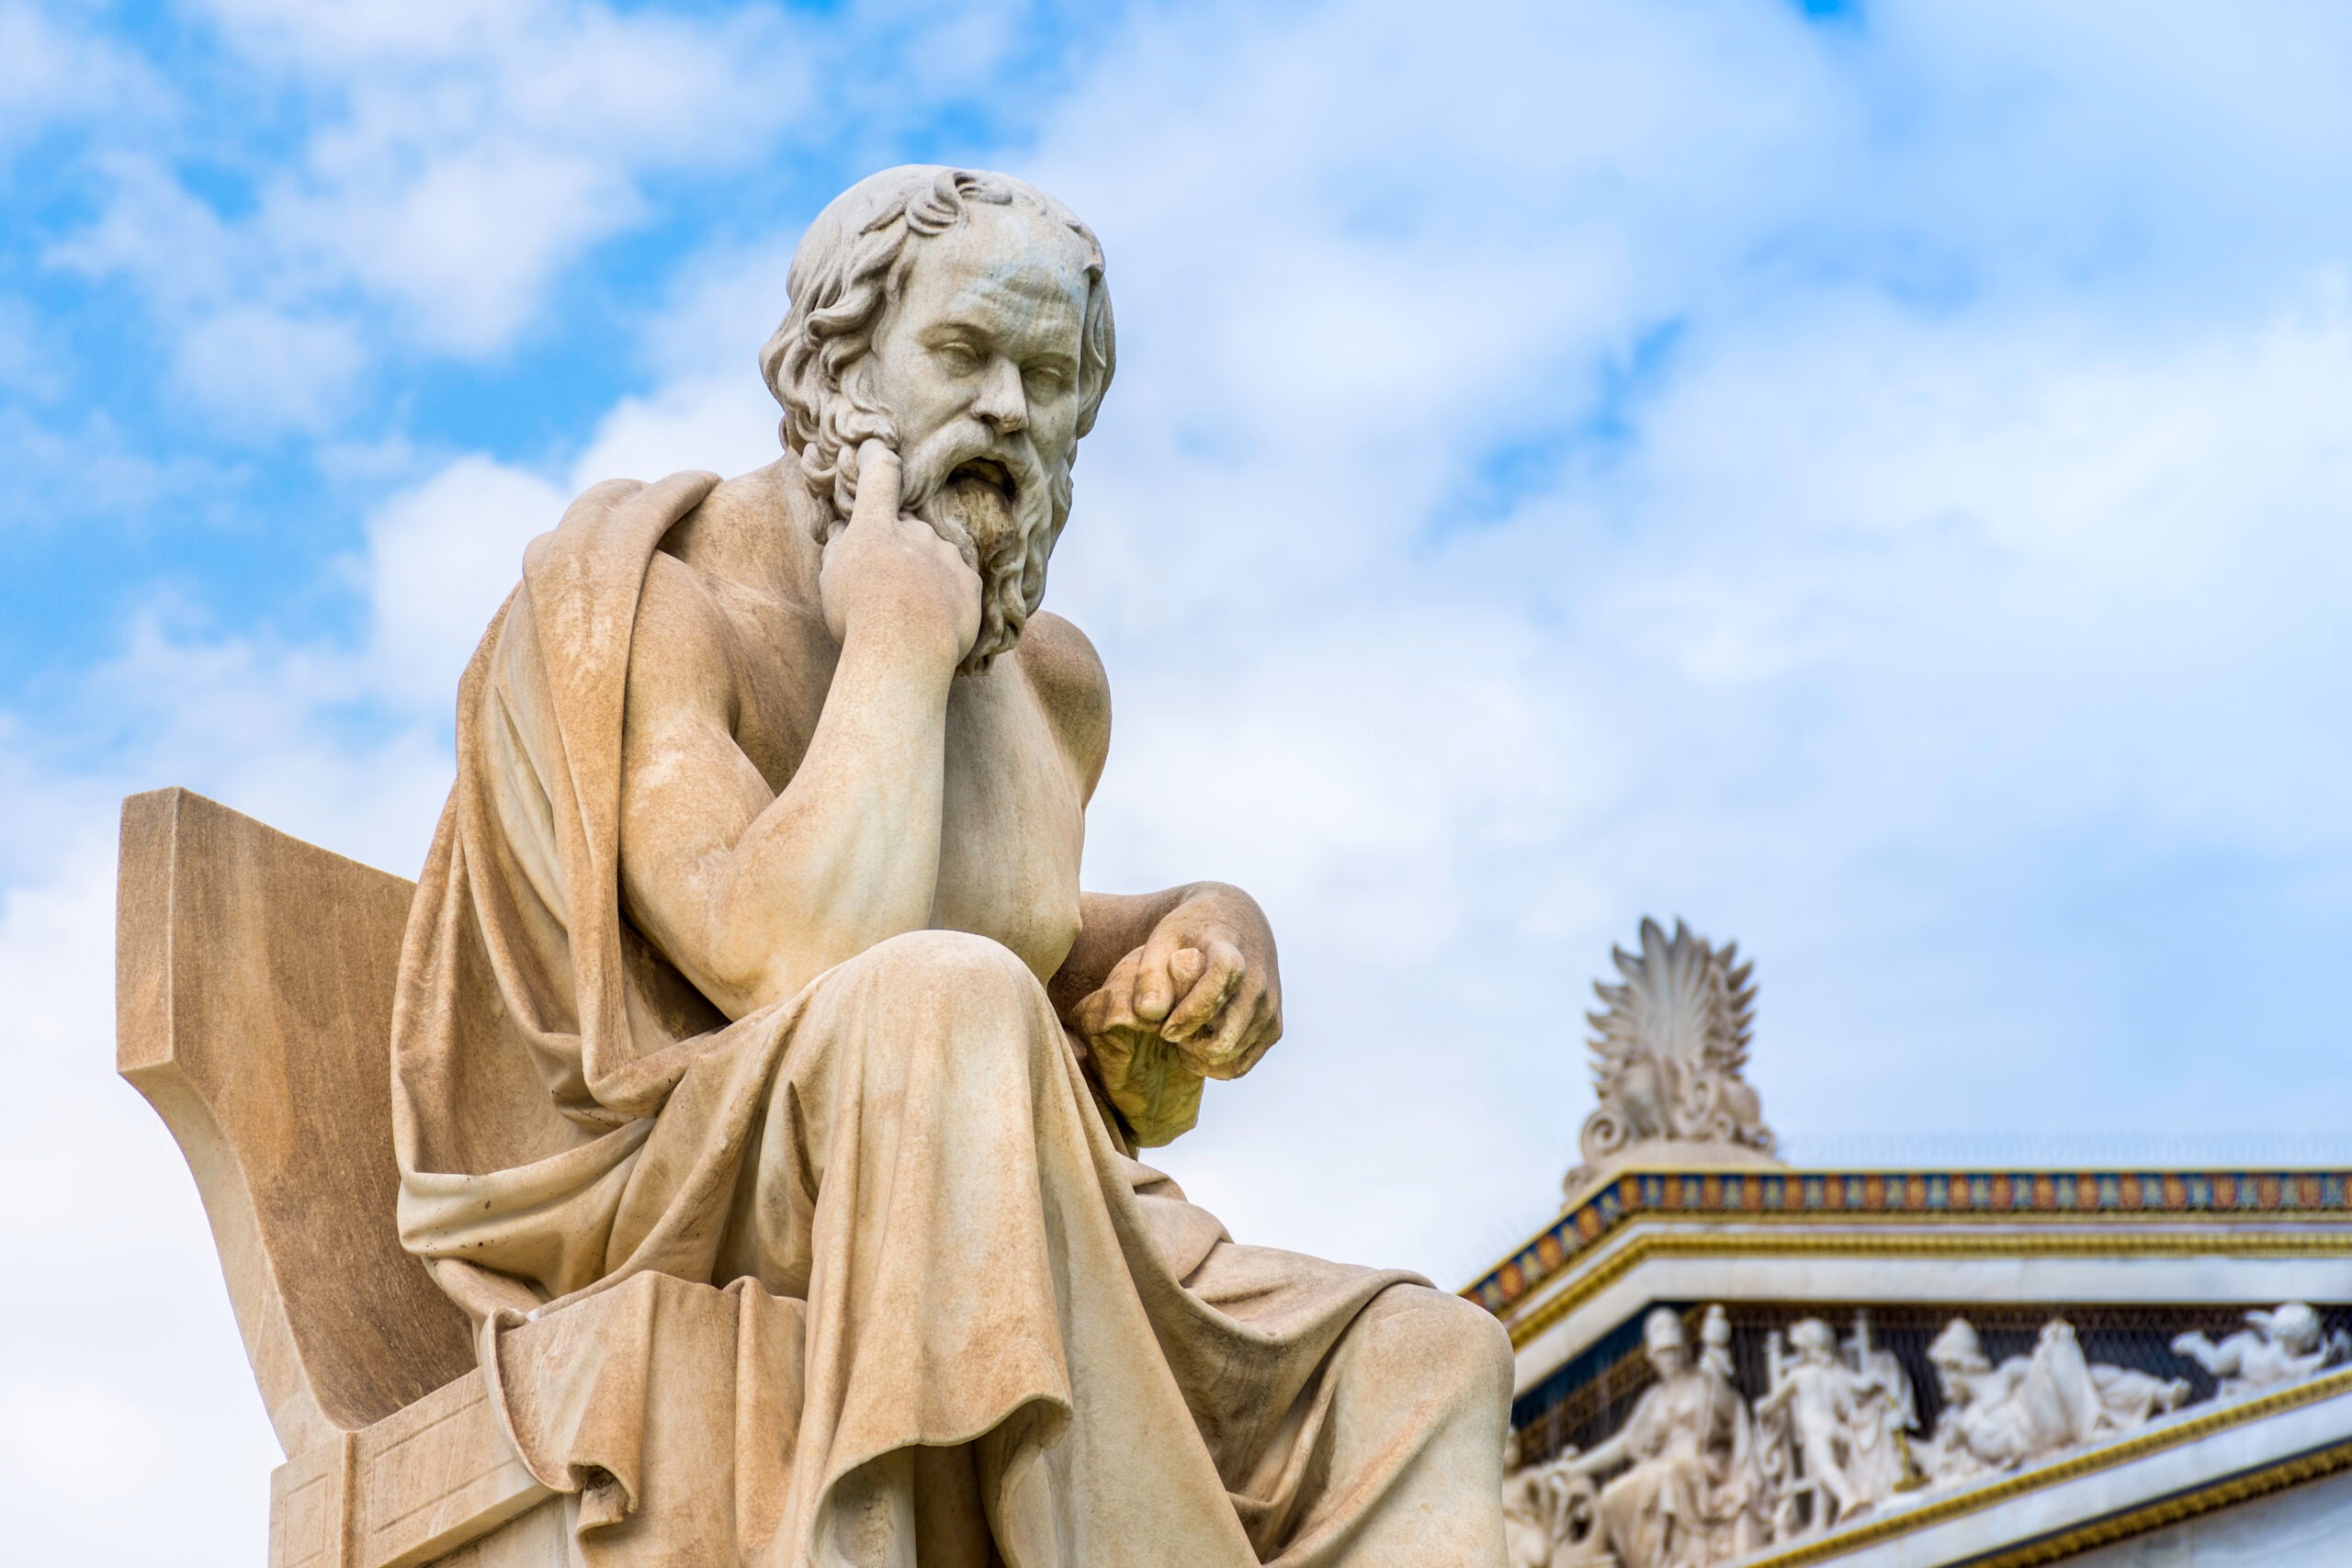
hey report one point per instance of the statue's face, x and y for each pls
(1670, 1357)
(977, 361)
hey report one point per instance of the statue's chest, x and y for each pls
(1013, 823)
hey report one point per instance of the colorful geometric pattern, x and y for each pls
(1921, 1194)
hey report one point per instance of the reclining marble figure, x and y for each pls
(750, 958)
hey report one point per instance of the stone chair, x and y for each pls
(254, 999)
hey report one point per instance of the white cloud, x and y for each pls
(1868, 574)
(119, 1427)
(441, 558)
(457, 159)
(276, 371)
(55, 71)
(726, 422)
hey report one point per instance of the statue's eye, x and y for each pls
(1044, 381)
(960, 357)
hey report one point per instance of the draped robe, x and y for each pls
(864, 1276)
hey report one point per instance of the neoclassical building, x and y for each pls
(1722, 1358)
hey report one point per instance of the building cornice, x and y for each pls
(2273, 1212)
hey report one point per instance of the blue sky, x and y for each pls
(1872, 480)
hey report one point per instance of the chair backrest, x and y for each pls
(253, 1005)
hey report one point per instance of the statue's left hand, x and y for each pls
(1207, 977)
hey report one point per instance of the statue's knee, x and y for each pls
(1441, 1339)
(955, 966)
(954, 956)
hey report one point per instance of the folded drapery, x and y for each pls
(957, 1319)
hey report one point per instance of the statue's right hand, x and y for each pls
(890, 572)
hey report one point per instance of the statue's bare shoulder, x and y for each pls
(681, 659)
(727, 638)
(1068, 676)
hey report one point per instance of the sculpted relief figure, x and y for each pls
(1839, 1415)
(2280, 1347)
(2030, 1408)
(1689, 1493)
(750, 957)
(1552, 1514)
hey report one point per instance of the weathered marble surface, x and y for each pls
(254, 978)
(765, 1088)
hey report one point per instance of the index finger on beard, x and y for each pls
(879, 478)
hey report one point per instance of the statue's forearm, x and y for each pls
(1611, 1455)
(848, 854)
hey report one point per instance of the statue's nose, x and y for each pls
(1001, 403)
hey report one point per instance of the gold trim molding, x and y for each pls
(2242, 1488)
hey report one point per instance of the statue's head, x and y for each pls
(2294, 1327)
(1957, 1356)
(1815, 1341)
(1662, 1336)
(960, 316)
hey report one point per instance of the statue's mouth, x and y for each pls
(989, 472)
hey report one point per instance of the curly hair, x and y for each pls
(853, 261)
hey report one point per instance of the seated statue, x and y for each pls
(750, 958)
(1690, 1493)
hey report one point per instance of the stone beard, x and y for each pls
(1003, 512)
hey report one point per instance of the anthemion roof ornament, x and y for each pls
(1668, 1055)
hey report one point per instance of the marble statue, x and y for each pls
(751, 959)
(1690, 1492)
(2282, 1345)
(1668, 1054)
(1834, 1418)
(1714, 1342)
(2030, 1408)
